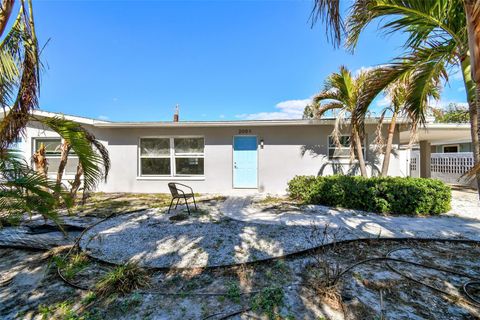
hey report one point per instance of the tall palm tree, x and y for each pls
(344, 92)
(448, 26)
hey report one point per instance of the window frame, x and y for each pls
(343, 158)
(172, 156)
(71, 154)
(451, 145)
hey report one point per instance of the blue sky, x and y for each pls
(132, 61)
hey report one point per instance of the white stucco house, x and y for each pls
(225, 156)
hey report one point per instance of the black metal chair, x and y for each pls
(178, 194)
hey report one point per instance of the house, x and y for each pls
(219, 156)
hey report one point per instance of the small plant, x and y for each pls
(268, 301)
(324, 273)
(233, 292)
(131, 302)
(62, 310)
(89, 298)
(122, 280)
(71, 265)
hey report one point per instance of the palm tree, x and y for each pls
(344, 92)
(19, 69)
(445, 31)
(398, 93)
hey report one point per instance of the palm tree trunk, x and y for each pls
(473, 27)
(475, 127)
(61, 167)
(40, 161)
(358, 149)
(473, 106)
(388, 147)
(5, 12)
(76, 182)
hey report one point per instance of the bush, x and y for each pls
(395, 195)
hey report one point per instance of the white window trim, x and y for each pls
(342, 158)
(172, 156)
(451, 145)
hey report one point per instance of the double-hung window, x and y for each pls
(341, 151)
(53, 153)
(172, 156)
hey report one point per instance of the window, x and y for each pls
(53, 153)
(343, 150)
(188, 156)
(450, 149)
(155, 156)
(172, 156)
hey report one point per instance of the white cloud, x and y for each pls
(290, 109)
(101, 117)
(363, 69)
(384, 102)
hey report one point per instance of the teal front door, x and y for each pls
(245, 162)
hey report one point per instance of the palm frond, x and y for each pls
(441, 20)
(22, 190)
(92, 155)
(328, 11)
(326, 107)
(23, 46)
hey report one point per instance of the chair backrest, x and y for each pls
(173, 189)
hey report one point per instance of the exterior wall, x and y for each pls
(287, 151)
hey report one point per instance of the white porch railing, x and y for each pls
(448, 167)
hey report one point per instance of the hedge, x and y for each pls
(394, 195)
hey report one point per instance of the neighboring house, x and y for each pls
(449, 147)
(218, 156)
(447, 150)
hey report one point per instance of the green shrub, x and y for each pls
(395, 195)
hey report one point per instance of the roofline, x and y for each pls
(83, 120)
(442, 126)
(234, 123)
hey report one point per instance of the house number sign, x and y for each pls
(244, 131)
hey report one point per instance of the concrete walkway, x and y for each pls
(463, 221)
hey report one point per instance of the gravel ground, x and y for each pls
(152, 239)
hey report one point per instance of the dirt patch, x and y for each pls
(280, 289)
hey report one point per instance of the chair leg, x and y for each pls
(170, 206)
(194, 202)
(186, 202)
(177, 203)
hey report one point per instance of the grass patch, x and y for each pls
(233, 292)
(269, 200)
(62, 310)
(103, 204)
(122, 280)
(71, 265)
(269, 301)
